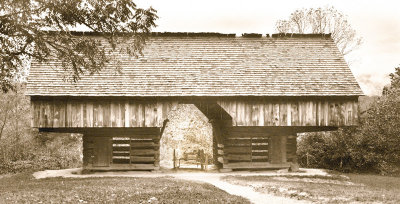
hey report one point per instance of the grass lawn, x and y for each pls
(349, 188)
(23, 188)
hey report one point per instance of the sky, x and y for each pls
(377, 22)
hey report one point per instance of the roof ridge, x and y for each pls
(210, 34)
(301, 35)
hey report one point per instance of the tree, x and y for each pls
(395, 79)
(322, 20)
(42, 30)
(372, 146)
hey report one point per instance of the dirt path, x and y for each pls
(212, 178)
(243, 191)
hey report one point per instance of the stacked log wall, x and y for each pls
(138, 150)
(257, 147)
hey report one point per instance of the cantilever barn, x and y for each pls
(257, 91)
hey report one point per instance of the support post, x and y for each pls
(291, 151)
(174, 159)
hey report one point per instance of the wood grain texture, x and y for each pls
(136, 150)
(292, 112)
(84, 113)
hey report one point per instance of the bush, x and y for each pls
(23, 148)
(58, 152)
(350, 150)
(374, 146)
(331, 150)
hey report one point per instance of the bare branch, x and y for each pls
(322, 20)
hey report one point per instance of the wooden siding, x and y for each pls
(100, 113)
(313, 112)
(88, 113)
(133, 151)
(257, 147)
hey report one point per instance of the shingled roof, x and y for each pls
(213, 65)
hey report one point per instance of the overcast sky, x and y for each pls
(377, 22)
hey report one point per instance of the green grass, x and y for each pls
(23, 188)
(337, 189)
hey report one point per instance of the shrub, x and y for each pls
(373, 146)
(23, 148)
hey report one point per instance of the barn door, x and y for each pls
(102, 151)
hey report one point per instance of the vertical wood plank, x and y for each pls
(141, 115)
(133, 113)
(295, 113)
(51, 113)
(324, 112)
(282, 113)
(35, 114)
(89, 114)
(62, 109)
(268, 117)
(255, 113)
(304, 111)
(331, 113)
(155, 111)
(148, 115)
(47, 113)
(336, 114)
(355, 113)
(320, 114)
(248, 112)
(349, 113)
(81, 114)
(126, 111)
(240, 111)
(75, 114)
(113, 112)
(160, 109)
(96, 114)
(100, 112)
(122, 114)
(341, 114)
(68, 113)
(301, 109)
(289, 114)
(118, 118)
(232, 108)
(41, 114)
(106, 112)
(56, 116)
(261, 119)
(275, 113)
(84, 114)
(309, 112)
(314, 114)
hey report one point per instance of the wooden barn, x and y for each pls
(257, 91)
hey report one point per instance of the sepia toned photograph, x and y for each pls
(135, 101)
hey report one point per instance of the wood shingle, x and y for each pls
(297, 65)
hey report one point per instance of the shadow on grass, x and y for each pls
(23, 188)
